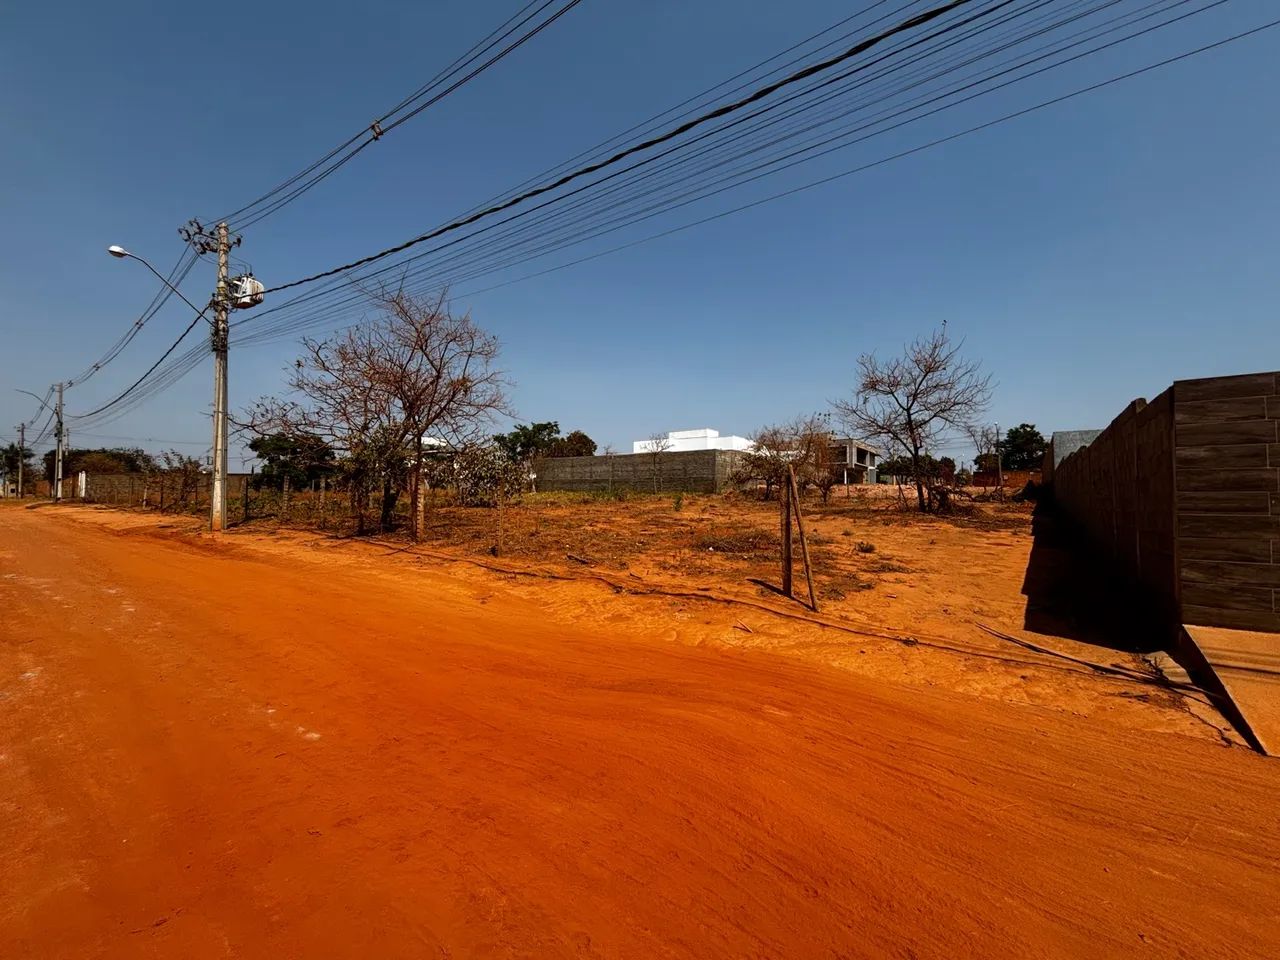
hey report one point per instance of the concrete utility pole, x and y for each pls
(220, 243)
(220, 336)
(22, 451)
(57, 457)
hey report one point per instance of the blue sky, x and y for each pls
(1089, 253)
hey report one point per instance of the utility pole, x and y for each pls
(57, 457)
(220, 336)
(22, 452)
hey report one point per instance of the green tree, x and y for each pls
(301, 457)
(1022, 447)
(528, 441)
(11, 456)
(101, 460)
(575, 444)
(484, 475)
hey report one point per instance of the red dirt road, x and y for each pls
(205, 753)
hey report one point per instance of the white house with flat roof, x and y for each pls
(703, 438)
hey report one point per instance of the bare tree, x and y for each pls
(908, 401)
(825, 475)
(803, 443)
(657, 445)
(412, 374)
(986, 440)
(185, 470)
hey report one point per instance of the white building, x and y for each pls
(702, 439)
(855, 461)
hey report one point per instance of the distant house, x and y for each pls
(704, 438)
(854, 460)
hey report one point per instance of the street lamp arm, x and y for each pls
(37, 399)
(121, 252)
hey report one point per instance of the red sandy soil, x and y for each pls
(252, 748)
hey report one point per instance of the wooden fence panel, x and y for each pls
(1183, 495)
(1227, 507)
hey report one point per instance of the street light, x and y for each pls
(120, 253)
(37, 399)
(218, 486)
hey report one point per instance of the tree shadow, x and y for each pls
(1072, 592)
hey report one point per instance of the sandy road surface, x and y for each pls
(204, 753)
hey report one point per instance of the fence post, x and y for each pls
(497, 549)
(784, 508)
(804, 542)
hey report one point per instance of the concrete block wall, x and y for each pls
(694, 471)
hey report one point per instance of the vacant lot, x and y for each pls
(286, 745)
(907, 597)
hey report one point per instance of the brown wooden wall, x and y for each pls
(1227, 456)
(1183, 495)
(1119, 489)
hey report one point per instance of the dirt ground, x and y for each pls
(284, 744)
(932, 587)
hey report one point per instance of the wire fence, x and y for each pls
(321, 503)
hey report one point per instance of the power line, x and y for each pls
(1095, 50)
(43, 401)
(540, 222)
(186, 261)
(364, 133)
(178, 368)
(108, 436)
(164, 356)
(724, 110)
(173, 371)
(775, 161)
(484, 66)
(259, 208)
(699, 192)
(649, 123)
(897, 156)
(44, 431)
